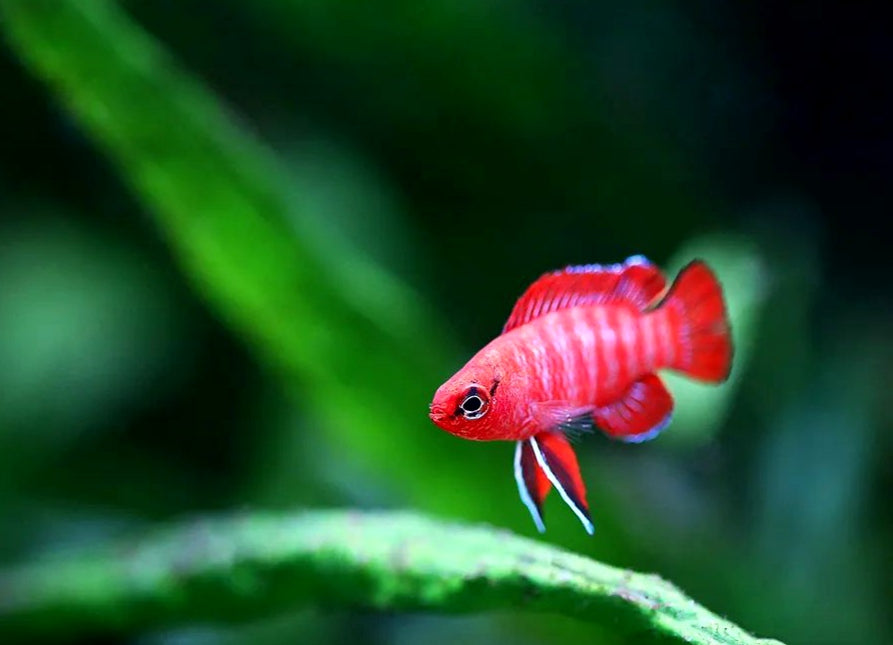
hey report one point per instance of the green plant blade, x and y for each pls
(238, 568)
(337, 327)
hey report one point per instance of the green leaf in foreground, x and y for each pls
(229, 569)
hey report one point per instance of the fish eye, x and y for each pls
(474, 405)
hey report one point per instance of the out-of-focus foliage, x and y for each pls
(399, 170)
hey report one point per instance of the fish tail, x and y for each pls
(695, 312)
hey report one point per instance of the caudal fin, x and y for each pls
(695, 310)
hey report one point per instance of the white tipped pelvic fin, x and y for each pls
(580, 513)
(522, 490)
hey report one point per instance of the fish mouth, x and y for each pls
(437, 414)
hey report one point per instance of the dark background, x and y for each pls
(466, 148)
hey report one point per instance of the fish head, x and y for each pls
(466, 405)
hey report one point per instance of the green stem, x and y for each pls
(238, 568)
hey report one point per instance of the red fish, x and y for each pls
(581, 349)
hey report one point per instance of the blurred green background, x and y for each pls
(166, 349)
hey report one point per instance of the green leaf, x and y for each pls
(239, 568)
(340, 329)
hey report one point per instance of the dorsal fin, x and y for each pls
(636, 281)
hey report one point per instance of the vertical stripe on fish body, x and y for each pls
(589, 355)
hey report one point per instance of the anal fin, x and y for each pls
(644, 410)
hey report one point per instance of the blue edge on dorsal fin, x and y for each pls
(633, 260)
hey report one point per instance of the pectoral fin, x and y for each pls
(570, 419)
(555, 456)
